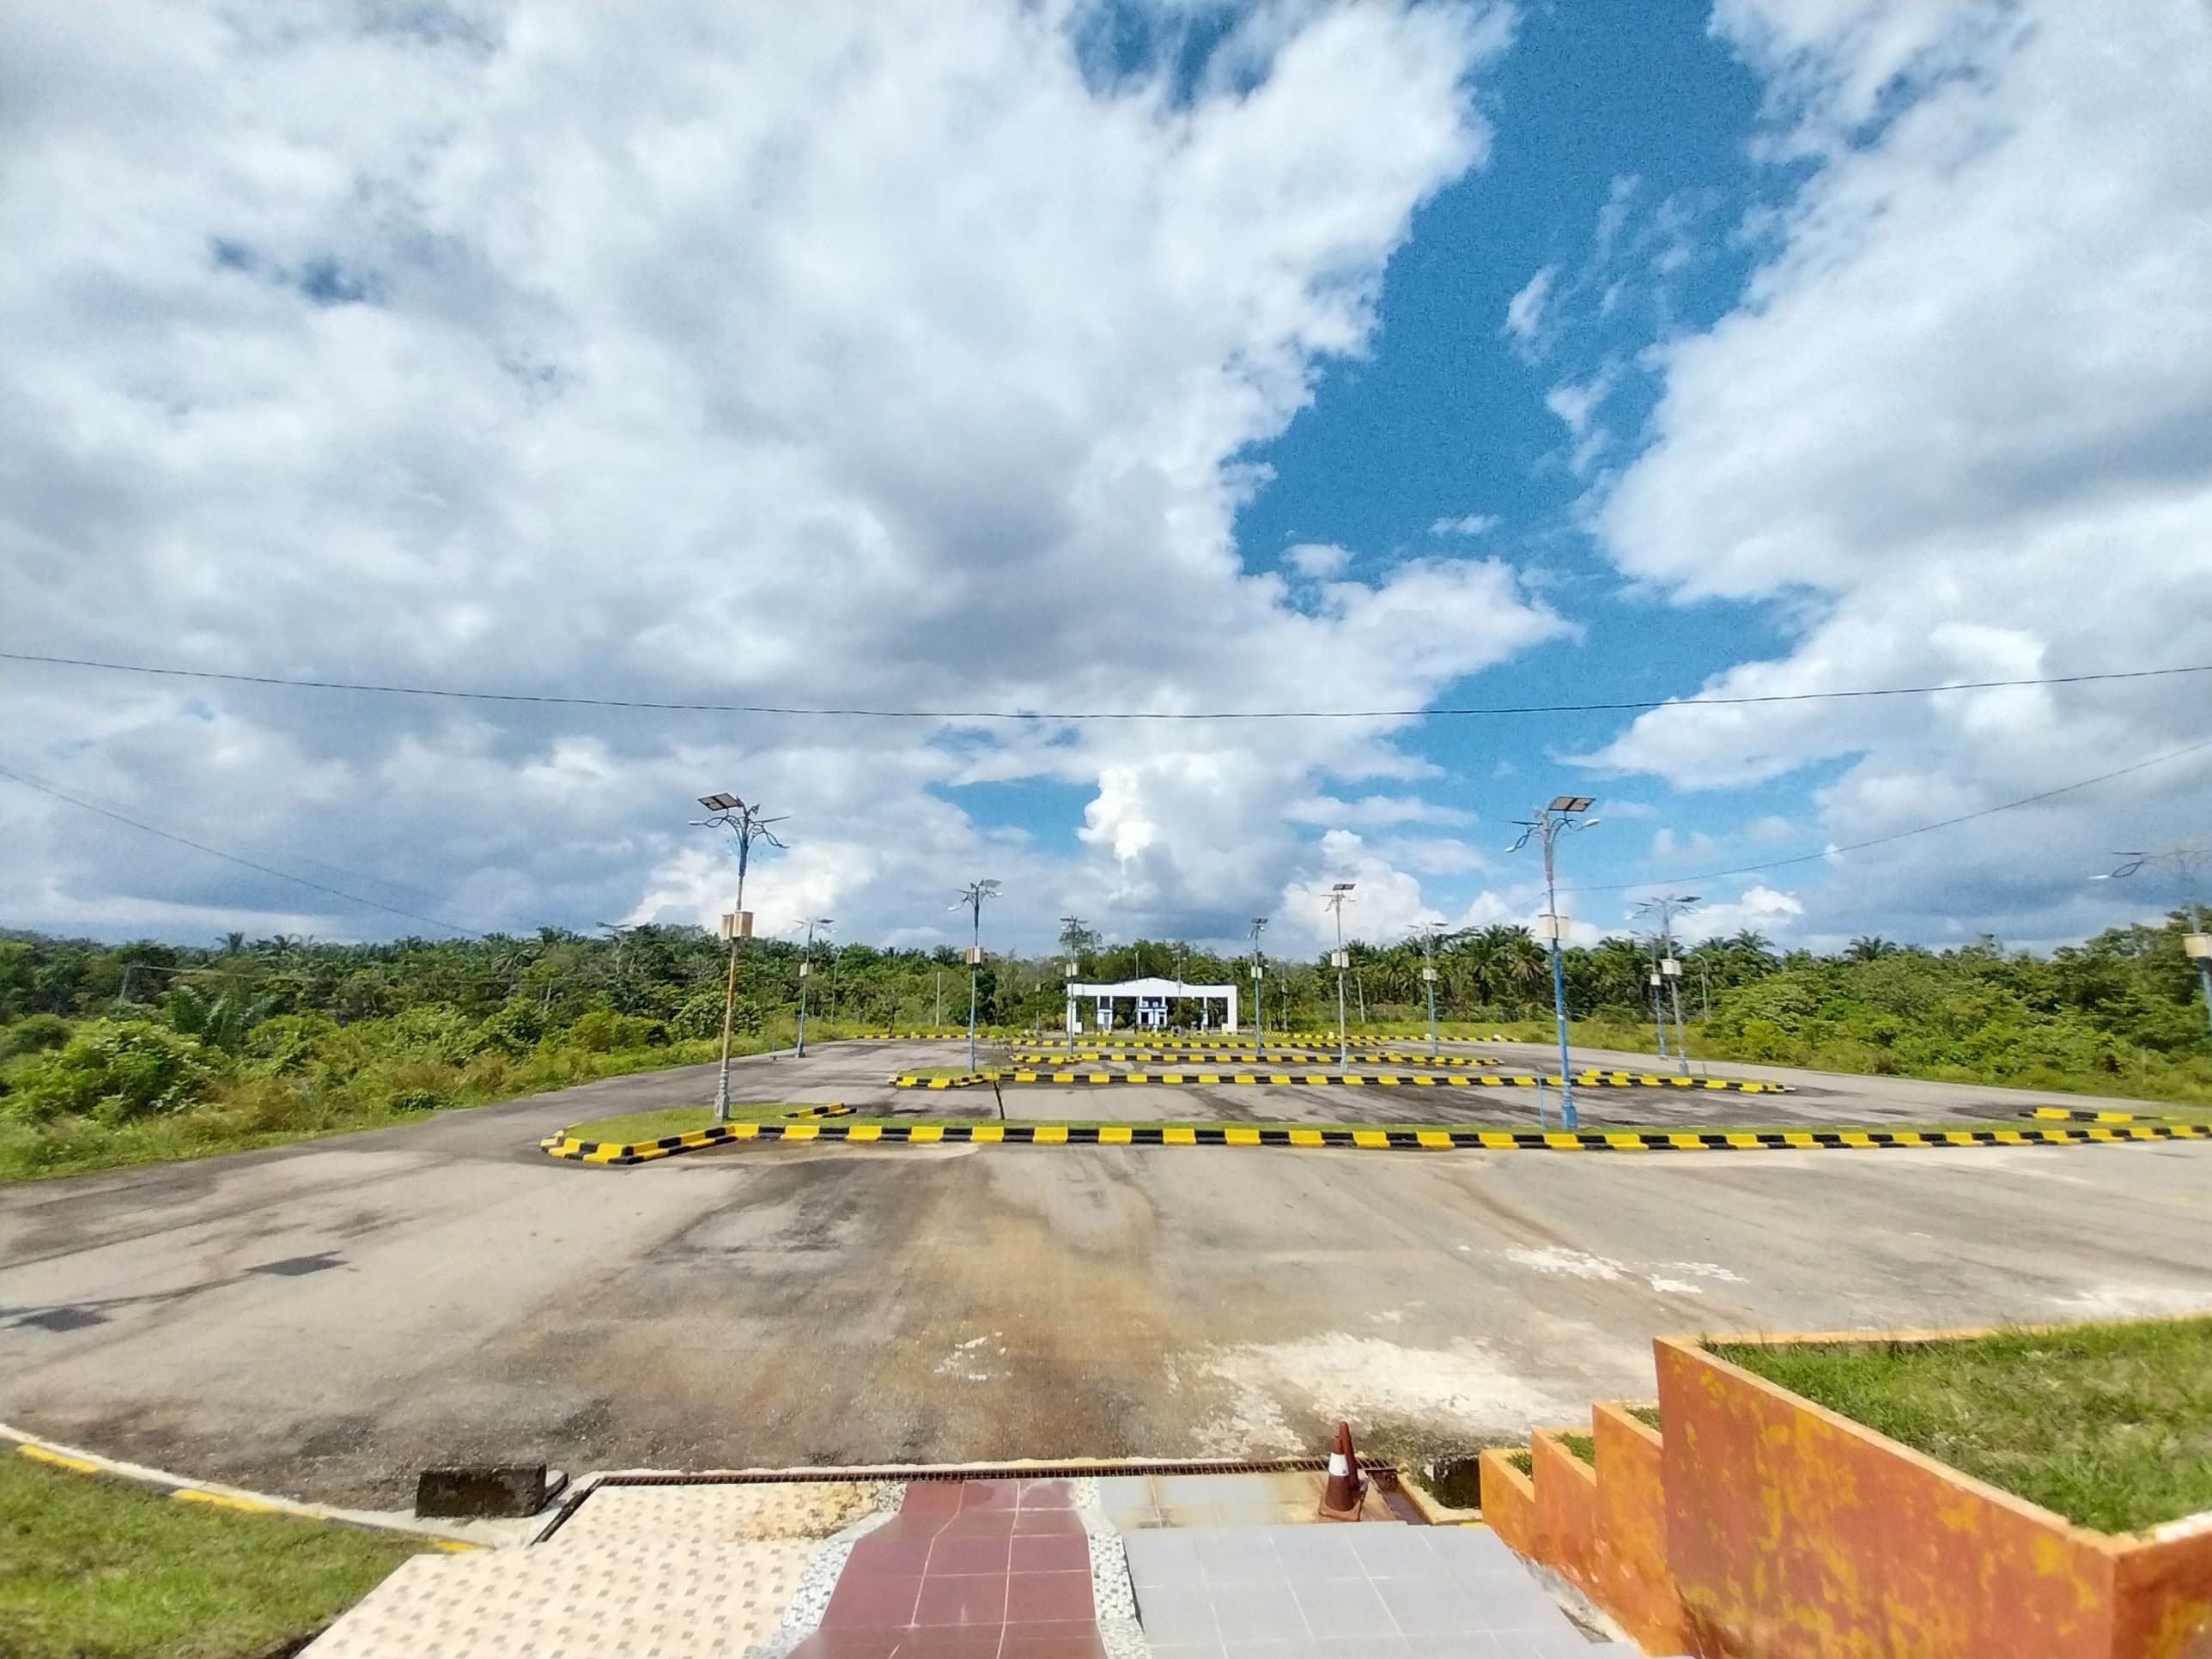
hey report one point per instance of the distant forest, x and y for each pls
(113, 1053)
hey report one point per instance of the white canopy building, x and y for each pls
(1151, 999)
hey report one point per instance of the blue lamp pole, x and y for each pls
(1564, 813)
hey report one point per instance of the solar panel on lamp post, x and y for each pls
(1666, 907)
(748, 825)
(1545, 828)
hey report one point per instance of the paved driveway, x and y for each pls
(326, 1319)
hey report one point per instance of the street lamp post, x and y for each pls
(1564, 813)
(2187, 859)
(1339, 896)
(973, 900)
(747, 824)
(1259, 984)
(1429, 977)
(1072, 931)
(806, 972)
(1669, 970)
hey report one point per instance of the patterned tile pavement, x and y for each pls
(967, 1570)
(631, 1599)
(1346, 1592)
(808, 1509)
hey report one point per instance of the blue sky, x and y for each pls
(1092, 356)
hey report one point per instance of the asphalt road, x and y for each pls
(326, 1320)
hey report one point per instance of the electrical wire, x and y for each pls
(1904, 834)
(1074, 717)
(233, 858)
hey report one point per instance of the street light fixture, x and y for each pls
(748, 825)
(806, 970)
(973, 898)
(1545, 828)
(1339, 895)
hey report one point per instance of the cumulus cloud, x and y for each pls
(1960, 429)
(894, 355)
(1471, 523)
(1322, 561)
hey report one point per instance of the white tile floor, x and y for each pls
(1318, 1592)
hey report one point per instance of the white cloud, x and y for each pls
(1961, 429)
(1668, 848)
(1524, 311)
(1322, 561)
(1372, 811)
(1473, 524)
(1760, 910)
(877, 356)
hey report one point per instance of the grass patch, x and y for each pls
(2109, 1425)
(1522, 1459)
(1582, 1446)
(92, 1569)
(1647, 1415)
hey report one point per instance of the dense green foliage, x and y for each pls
(146, 1051)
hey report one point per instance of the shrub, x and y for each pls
(113, 1071)
(34, 1034)
(602, 1031)
(419, 1100)
(283, 1046)
(514, 1030)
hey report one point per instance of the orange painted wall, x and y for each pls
(1793, 1535)
(1631, 1578)
(1509, 1503)
(1566, 1510)
(2162, 1597)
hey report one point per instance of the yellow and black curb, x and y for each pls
(1349, 1079)
(1254, 1057)
(2069, 1115)
(70, 1459)
(1372, 1138)
(640, 1151)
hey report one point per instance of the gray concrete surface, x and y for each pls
(325, 1320)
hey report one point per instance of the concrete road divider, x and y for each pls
(1376, 1137)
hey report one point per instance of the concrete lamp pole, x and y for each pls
(2187, 860)
(1339, 896)
(1429, 930)
(747, 824)
(1072, 931)
(1259, 983)
(1666, 976)
(972, 900)
(1565, 812)
(806, 972)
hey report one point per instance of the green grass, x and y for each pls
(1582, 1446)
(632, 1126)
(91, 1569)
(2109, 1425)
(1647, 1415)
(1522, 1459)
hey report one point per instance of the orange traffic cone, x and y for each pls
(1341, 1498)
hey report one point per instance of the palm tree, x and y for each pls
(1868, 948)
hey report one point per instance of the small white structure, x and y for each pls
(1151, 998)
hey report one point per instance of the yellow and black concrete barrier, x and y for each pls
(1348, 1079)
(1374, 1138)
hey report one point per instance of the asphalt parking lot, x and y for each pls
(323, 1320)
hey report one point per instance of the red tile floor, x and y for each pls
(966, 1570)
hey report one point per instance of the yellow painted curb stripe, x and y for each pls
(75, 1465)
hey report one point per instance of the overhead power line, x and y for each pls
(1049, 717)
(233, 858)
(1905, 835)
